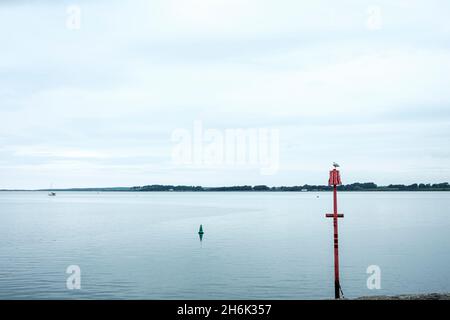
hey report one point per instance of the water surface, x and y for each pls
(256, 245)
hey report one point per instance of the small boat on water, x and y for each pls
(51, 193)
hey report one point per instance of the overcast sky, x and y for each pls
(365, 84)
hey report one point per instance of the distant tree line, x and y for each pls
(158, 187)
(358, 186)
(367, 186)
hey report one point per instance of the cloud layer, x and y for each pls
(97, 106)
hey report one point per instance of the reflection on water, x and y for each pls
(259, 245)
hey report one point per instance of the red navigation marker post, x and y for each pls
(335, 180)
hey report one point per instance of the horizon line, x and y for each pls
(206, 188)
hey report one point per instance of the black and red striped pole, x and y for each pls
(335, 180)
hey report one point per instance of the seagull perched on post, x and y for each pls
(335, 165)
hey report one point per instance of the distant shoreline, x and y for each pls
(366, 187)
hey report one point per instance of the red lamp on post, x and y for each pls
(335, 180)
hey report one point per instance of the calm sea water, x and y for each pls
(256, 245)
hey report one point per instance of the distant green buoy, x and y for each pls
(201, 232)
